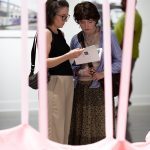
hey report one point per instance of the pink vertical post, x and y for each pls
(43, 123)
(24, 74)
(125, 72)
(107, 70)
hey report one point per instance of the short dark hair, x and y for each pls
(86, 10)
(52, 7)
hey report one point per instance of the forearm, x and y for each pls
(98, 75)
(101, 76)
(53, 62)
(84, 72)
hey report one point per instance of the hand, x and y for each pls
(85, 72)
(92, 71)
(98, 75)
(75, 53)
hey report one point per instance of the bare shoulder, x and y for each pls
(48, 34)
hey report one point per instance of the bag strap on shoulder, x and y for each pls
(81, 41)
(33, 55)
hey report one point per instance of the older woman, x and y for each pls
(88, 116)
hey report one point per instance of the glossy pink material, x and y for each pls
(24, 137)
(125, 72)
(24, 79)
(43, 125)
(107, 72)
(147, 138)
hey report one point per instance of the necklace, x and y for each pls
(92, 39)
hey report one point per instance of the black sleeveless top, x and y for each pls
(59, 47)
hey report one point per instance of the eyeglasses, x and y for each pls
(64, 18)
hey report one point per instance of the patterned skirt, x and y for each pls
(88, 115)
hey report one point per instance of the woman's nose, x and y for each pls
(86, 25)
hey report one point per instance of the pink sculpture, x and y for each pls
(24, 137)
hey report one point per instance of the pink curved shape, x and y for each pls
(43, 123)
(125, 72)
(24, 75)
(147, 138)
(24, 137)
(107, 70)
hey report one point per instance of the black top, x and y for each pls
(59, 47)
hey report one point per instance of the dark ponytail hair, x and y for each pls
(52, 7)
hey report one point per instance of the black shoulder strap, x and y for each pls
(33, 55)
(81, 39)
(49, 29)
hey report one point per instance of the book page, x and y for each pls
(90, 54)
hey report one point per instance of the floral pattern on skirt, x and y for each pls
(88, 115)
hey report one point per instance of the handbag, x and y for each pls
(33, 77)
(115, 76)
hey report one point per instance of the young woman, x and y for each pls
(60, 86)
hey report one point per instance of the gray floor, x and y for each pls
(13, 118)
(137, 127)
(138, 123)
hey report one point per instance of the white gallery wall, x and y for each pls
(141, 74)
(10, 63)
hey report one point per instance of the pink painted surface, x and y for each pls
(24, 137)
(24, 79)
(43, 125)
(147, 138)
(107, 70)
(125, 72)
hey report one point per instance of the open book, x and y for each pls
(90, 54)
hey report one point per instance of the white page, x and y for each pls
(90, 54)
